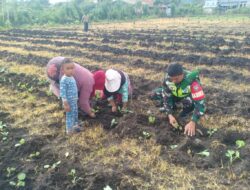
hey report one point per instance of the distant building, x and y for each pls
(211, 5)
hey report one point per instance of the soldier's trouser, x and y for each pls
(187, 103)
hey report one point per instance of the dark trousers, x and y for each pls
(85, 26)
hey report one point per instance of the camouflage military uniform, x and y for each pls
(189, 92)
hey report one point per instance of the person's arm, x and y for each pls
(198, 98)
(84, 102)
(54, 88)
(124, 92)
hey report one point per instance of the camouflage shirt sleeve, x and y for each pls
(168, 99)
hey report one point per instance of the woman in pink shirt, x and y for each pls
(85, 81)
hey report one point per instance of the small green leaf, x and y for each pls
(17, 145)
(20, 184)
(73, 171)
(59, 162)
(67, 154)
(37, 153)
(173, 146)
(21, 176)
(240, 143)
(237, 154)
(12, 183)
(113, 123)
(46, 166)
(107, 188)
(204, 153)
(22, 141)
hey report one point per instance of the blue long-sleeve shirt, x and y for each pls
(68, 89)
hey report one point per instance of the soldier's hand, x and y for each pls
(172, 120)
(190, 129)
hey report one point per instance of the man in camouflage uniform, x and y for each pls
(182, 86)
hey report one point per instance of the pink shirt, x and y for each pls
(84, 80)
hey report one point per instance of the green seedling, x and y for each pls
(49, 93)
(42, 82)
(3, 131)
(173, 146)
(240, 143)
(97, 95)
(67, 154)
(2, 126)
(177, 126)
(55, 165)
(23, 86)
(96, 110)
(127, 111)
(21, 142)
(20, 180)
(211, 132)
(34, 155)
(31, 89)
(119, 109)
(113, 123)
(2, 70)
(151, 119)
(10, 170)
(5, 135)
(107, 188)
(205, 153)
(74, 177)
(46, 166)
(146, 135)
(232, 155)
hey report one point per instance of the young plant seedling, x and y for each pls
(240, 144)
(34, 155)
(49, 93)
(96, 110)
(205, 153)
(211, 132)
(97, 95)
(74, 177)
(232, 155)
(174, 146)
(42, 82)
(146, 135)
(55, 165)
(10, 170)
(5, 135)
(2, 126)
(177, 126)
(113, 123)
(67, 154)
(30, 89)
(127, 111)
(107, 188)
(20, 180)
(21, 142)
(3, 131)
(151, 119)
